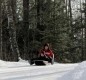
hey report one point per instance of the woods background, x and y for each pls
(26, 24)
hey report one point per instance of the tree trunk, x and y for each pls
(66, 7)
(38, 14)
(26, 27)
(70, 15)
(82, 48)
(85, 33)
(0, 29)
(12, 29)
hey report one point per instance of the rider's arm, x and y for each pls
(51, 54)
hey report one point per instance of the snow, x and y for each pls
(79, 73)
(23, 71)
(4, 64)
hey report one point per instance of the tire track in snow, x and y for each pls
(29, 73)
(34, 76)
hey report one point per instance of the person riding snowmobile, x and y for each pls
(44, 54)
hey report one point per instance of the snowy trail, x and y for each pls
(26, 72)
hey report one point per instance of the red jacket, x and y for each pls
(47, 53)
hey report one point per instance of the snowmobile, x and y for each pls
(42, 61)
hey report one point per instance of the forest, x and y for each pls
(25, 25)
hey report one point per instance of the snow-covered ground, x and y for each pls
(23, 71)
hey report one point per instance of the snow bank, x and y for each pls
(79, 73)
(6, 64)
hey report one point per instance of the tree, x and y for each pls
(82, 54)
(26, 26)
(85, 32)
(0, 29)
(12, 28)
